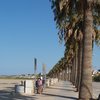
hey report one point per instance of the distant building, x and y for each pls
(95, 72)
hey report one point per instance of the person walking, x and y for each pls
(40, 86)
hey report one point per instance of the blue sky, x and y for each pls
(96, 57)
(28, 31)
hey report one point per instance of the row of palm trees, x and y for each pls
(78, 22)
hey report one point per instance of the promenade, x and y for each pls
(60, 91)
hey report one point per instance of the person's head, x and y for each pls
(39, 78)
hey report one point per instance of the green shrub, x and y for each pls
(96, 78)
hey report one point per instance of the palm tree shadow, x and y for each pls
(7, 95)
(61, 89)
(54, 95)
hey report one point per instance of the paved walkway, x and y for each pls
(60, 91)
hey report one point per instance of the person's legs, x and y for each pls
(39, 89)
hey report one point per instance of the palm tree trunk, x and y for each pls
(66, 73)
(58, 75)
(79, 65)
(73, 72)
(70, 73)
(76, 68)
(86, 76)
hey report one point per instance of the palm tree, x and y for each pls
(67, 14)
(86, 75)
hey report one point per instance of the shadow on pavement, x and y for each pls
(10, 95)
(73, 98)
(60, 89)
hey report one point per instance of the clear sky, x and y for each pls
(28, 31)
